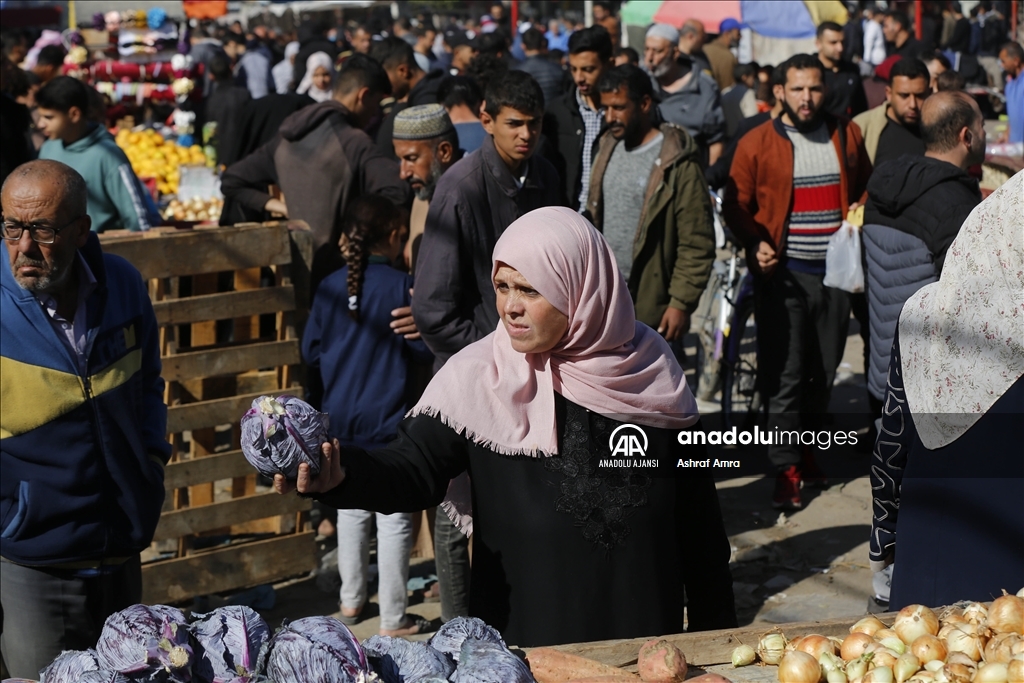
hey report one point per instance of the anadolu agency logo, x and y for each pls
(628, 440)
(628, 445)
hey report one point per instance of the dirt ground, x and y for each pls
(807, 565)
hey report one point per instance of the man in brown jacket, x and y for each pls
(792, 183)
(658, 216)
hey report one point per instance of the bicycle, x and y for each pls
(727, 348)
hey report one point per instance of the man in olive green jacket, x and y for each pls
(657, 215)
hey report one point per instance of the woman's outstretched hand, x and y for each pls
(331, 473)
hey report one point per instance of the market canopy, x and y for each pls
(770, 18)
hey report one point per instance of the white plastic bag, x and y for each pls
(843, 268)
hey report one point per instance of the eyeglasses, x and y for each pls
(42, 234)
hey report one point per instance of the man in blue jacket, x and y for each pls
(82, 422)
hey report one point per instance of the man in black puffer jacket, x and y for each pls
(915, 208)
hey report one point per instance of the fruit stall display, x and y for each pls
(153, 156)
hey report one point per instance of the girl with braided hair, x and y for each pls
(364, 367)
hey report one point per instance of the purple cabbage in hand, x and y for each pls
(402, 661)
(280, 434)
(482, 661)
(148, 643)
(451, 635)
(70, 666)
(318, 649)
(229, 641)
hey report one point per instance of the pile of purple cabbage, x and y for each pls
(279, 434)
(157, 644)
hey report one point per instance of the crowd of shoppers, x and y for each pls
(527, 209)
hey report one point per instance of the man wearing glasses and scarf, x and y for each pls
(82, 422)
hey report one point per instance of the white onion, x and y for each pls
(934, 665)
(906, 666)
(881, 674)
(1006, 615)
(992, 672)
(896, 645)
(854, 646)
(975, 613)
(869, 625)
(858, 667)
(914, 621)
(922, 677)
(771, 647)
(884, 657)
(1015, 670)
(815, 645)
(884, 633)
(964, 638)
(742, 656)
(959, 668)
(836, 676)
(799, 667)
(1000, 647)
(928, 648)
(829, 662)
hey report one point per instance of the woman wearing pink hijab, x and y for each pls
(569, 545)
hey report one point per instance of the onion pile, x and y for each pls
(974, 644)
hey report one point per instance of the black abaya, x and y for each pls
(564, 551)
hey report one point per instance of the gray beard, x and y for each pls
(44, 284)
(426, 193)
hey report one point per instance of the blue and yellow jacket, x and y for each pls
(81, 458)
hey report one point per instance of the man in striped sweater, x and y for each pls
(791, 184)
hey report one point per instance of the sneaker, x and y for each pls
(810, 473)
(787, 490)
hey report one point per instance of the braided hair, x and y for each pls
(369, 221)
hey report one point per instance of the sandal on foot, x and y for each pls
(412, 624)
(350, 619)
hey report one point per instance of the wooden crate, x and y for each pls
(711, 651)
(213, 371)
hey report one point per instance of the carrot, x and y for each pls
(554, 666)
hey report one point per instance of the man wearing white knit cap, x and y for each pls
(689, 97)
(426, 144)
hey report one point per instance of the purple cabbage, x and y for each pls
(450, 636)
(402, 661)
(229, 642)
(280, 434)
(482, 661)
(148, 643)
(318, 649)
(69, 666)
(105, 676)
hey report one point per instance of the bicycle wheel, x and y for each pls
(707, 369)
(741, 399)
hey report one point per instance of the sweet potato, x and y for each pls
(549, 665)
(661, 662)
(709, 678)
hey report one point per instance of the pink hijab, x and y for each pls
(607, 362)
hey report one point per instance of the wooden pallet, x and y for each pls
(213, 372)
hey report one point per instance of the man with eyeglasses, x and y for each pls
(82, 422)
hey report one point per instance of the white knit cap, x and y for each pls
(665, 31)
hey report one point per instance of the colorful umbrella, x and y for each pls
(770, 18)
(710, 14)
